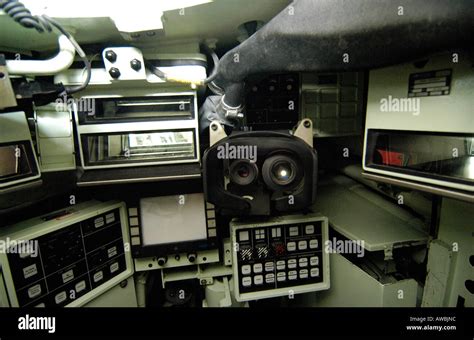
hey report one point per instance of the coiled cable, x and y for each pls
(44, 24)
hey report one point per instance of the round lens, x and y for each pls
(243, 172)
(281, 172)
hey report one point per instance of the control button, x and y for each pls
(246, 281)
(30, 271)
(246, 254)
(260, 234)
(270, 278)
(98, 276)
(109, 218)
(292, 275)
(61, 297)
(114, 267)
(99, 222)
(314, 272)
(314, 260)
(257, 268)
(269, 266)
(80, 286)
(303, 273)
(291, 246)
(68, 276)
(303, 262)
(309, 229)
(262, 252)
(246, 269)
(34, 291)
(293, 231)
(243, 235)
(281, 276)
(302, 245)
(313, 244)
(279, 249)
(292, 263)
(258, 280)
(276, 232)
(281, 265)
(111, 252)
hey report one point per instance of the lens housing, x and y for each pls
(281, 172)
(243, 172)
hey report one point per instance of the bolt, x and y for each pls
(114, 72)
(111, 56)
(136, 64)
(307, 124)
(214, 127)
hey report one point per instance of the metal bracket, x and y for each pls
(216, 132)
(7, 95)
(304, 130)
(388, 253)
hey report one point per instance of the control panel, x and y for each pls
(279, 257)
(78, 256)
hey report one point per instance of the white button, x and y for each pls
(276, 232)
(281, 276)
(246, 281)
(109, 218)
(99, 222)
(30, 271)
(293, 231)
(98, 276)
(281, 265)
(303, 273)
(303, 262)
(114, 267)
(68, 276)
(111, 252)
(314, 272)
(257, 268)
(34, 291)
(80, 286)
(302, 245)
(309, 229)
(269, 266)
(313, 244)
(314, 261)
(243, 235)
(246, 269)
(291, 246)
(61, 297)
(292, 275)
(270, 278)
(258, 280)
(292, 263)
(260, 234)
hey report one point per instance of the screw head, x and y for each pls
(214, 127)
(114, 72)
(111, 56)
(306, 124)
(136, 64)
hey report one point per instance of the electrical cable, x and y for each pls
(44, 24)
(162, 75)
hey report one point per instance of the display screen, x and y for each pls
(16, 162)
(103, 149)
(173, 219)
(448, 156)
(111, 110)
